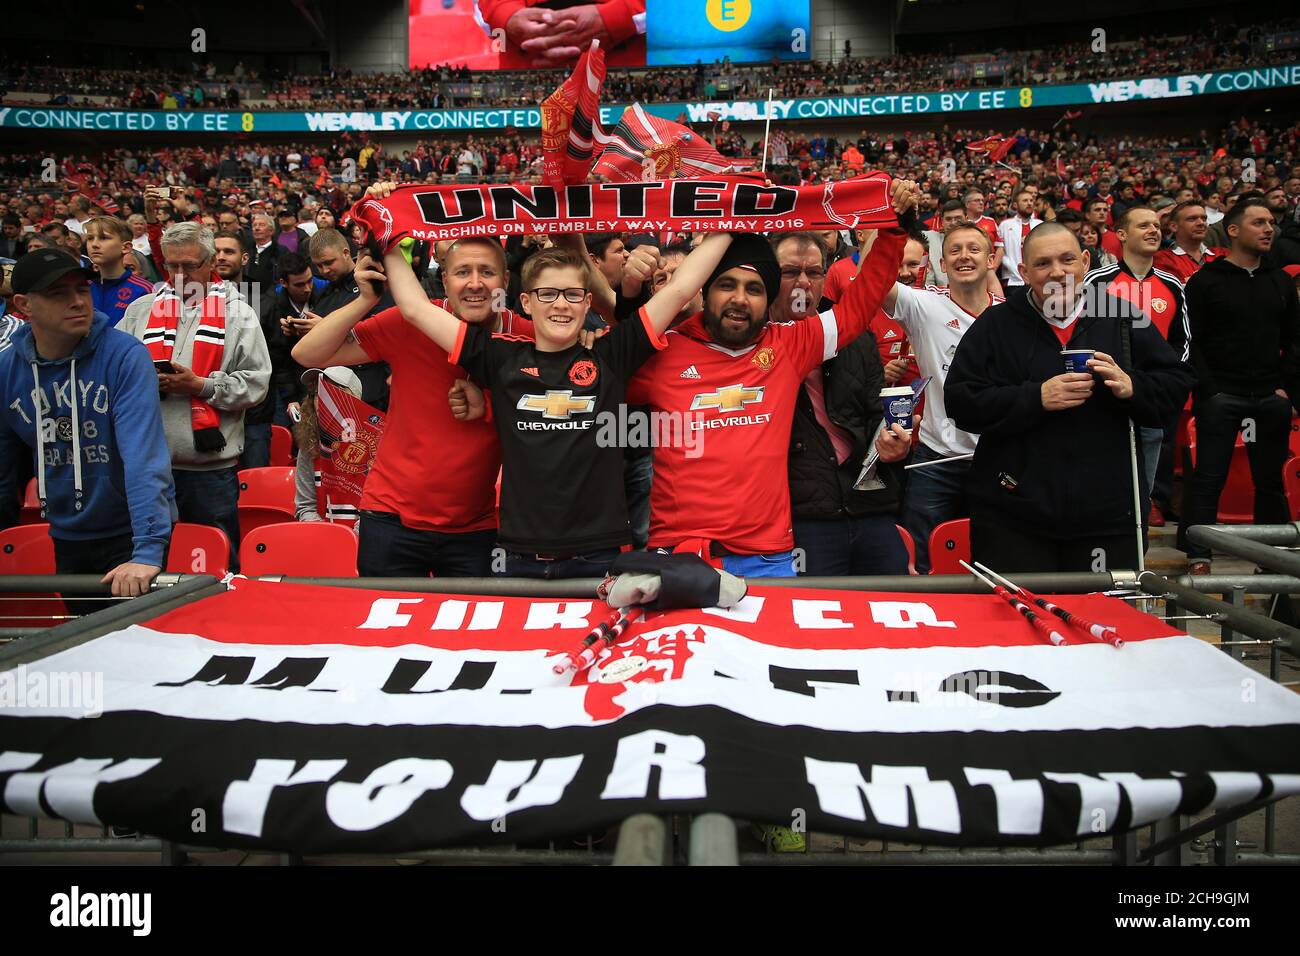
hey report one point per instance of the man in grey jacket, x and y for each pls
(207, 486)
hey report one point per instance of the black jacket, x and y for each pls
(373, 375)
(1063, 474)
(1245, 329)
(819, 487)
(264, 268)
(285, 372)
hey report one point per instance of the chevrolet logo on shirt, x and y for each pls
(557, 404)
(733, 398)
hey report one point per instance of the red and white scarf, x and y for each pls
(206, 358)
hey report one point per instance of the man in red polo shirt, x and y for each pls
(735, 377)
(1189, 251)
(975, 205)
(429, 504)
(1098, 213)
(1159, 295)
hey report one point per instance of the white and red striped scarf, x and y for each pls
(207, 355)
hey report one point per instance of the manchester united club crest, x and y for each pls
(354, 457)
(557, 117)
(582, 373)
(1159, 305)
(667, 158)
(764, 358)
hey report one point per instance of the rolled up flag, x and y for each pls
(571, 133)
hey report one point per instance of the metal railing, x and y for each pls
(711, 838)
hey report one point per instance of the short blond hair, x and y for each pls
(110, 225)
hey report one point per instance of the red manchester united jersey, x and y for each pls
(728, 481)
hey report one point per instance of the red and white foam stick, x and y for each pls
(1102, 632)
(626, 617)
(570, 661)
(1025, 611)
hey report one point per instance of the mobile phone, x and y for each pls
(164, 367)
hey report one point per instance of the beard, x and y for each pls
(725, 333)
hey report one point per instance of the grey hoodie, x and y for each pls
(241, 382)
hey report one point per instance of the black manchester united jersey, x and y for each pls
(562, 471)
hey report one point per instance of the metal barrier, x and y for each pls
(712, 839)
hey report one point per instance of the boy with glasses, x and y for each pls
(563, 510)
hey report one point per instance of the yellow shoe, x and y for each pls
(780, 839)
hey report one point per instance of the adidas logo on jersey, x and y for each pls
(889, 334)
(530, 371)
(691, 372)
(954, 324)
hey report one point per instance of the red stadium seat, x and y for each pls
(910, 545)
(950, 544)
(1291, 482)
(198, 549)
(28, 549)
(31, 511)
(265, 497)
(281, 446)
(300, 549)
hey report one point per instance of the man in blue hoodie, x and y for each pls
(97, 420)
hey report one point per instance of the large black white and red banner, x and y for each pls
(724, 203)
(317, 719)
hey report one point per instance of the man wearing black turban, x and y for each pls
(731, 380)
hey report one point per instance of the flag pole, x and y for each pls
(767, 128)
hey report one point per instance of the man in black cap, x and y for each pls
(729, 380)
(97, 421)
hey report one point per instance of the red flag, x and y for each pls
(995, 146)
(571, 133)
(352, 430)
(676, 152)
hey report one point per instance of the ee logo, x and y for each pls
(727, 15)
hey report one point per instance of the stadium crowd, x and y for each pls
(163, 308)
(1213, 46)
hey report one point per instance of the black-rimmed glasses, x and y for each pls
(550, 295)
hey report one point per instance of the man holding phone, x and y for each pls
(332, 258)
(207, 332)
(286, 317)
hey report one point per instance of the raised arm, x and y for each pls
(881, 251)
(438, 324)
(666, 304)
(330, 342)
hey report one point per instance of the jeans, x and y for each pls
(839, 546)
(257, 446)
(97, 556)
(1011, 549)
(638, 472)
(212, 498)
(779, 565)
(592, 565)
(1218, 419)
(386, 548)
(934, 495)
(284, 394)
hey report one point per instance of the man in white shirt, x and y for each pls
(1013, 231)
(935, 320)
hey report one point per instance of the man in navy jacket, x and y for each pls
(1051, 485)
